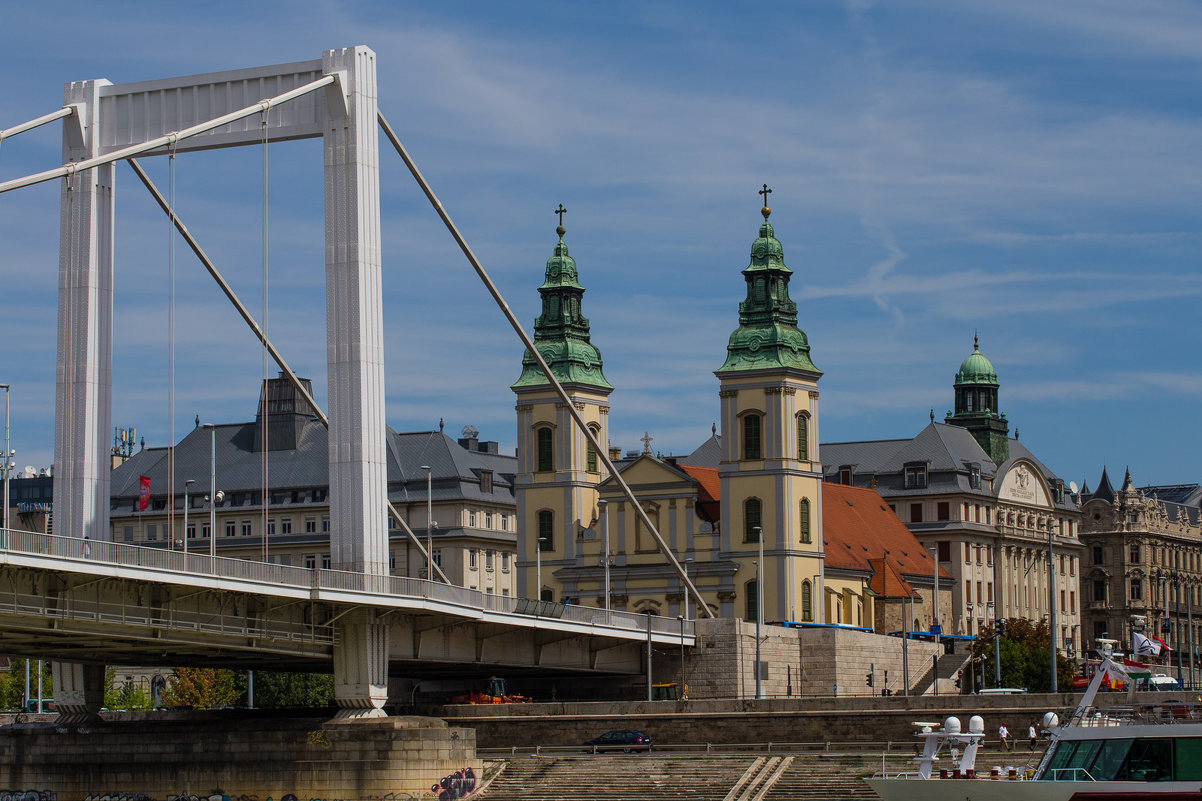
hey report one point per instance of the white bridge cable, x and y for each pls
(245, 314)
(602, 453)
(166, 140)
(65, 111)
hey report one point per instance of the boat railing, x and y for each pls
(1165, 712)
(1071, 775)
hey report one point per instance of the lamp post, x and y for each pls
(759, 610)
(429, 524)
(688, 565)
(1177, 624)
(215, 497)
(605, 549)
(4, 468)
(1052, 605)
(538, 569)
(680, 689)
(972, 669)
(187, 502)
(997, 654)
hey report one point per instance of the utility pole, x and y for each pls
(1052, 605)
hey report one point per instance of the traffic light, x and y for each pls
(1001, 628)
(868, 679)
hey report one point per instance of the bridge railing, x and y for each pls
(125, 554)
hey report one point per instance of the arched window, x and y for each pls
(546, 450)
(807, 601)
(804, 518)
(751, 520)
(546, 595)
(752, 590)
(591, 452)
(803, 437)
(751, 437)
(546, 530)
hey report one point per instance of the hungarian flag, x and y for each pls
(1162, 643)
(1135, 670)
(143, 493)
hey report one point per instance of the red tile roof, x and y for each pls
(857, 526)
(709, 490)
(886, 582)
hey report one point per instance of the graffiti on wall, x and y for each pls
(455, 785)
(28, 795)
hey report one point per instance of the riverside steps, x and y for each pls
(238, 753)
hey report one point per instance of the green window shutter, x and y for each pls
(751, 520)
(546, 530)
(546, 450)
(805, 520)
(803, 438)
(751, 437)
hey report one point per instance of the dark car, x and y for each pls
(625, 739)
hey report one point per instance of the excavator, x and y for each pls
(494, 692)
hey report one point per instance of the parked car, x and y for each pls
(625, 739)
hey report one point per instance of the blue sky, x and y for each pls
(1024, 169)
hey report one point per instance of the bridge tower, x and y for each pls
(769, 471)
(341, 109)
(557, 472)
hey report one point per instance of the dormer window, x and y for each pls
(974, 476)
(486, 481)
(916, 476)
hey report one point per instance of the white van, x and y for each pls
(1163, 683)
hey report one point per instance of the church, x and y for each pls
(743, 513)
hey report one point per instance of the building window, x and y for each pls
(978, 593)
(805, 520)
(471, 559)
(1134, 554)
(976, 511)
(916, 476)
(546, 595)
(1062, 565)
(325, 525)
(231, 528)
(803, 437)
(310, 560)
(488, 560)
(152, 532)
(391, 560)
(974, 477)
(751, 589)
(270, 526)
(1099, 590)
(191, 531)
(807, 601)
(944, 511)
(976, 549)
(844, 476)
(286, 525)
(751, 437)
(486, 481)
(1137, 590)
(205, 531)
(1072, 602)
(916, 513)
(546, 530)
(944, 551)
(127, 533)
(503, 522)
(311, 525)
(505, 562)
(437, 556)
(325, 561)
(590, 458)
(247, 528)
(1097, 554)
(471, 519)
(488, 519)
(546, 450)
(751, 520)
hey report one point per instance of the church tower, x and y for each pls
(977, 407)
(557, 471)
(771, 477)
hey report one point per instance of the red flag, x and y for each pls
(143, 493)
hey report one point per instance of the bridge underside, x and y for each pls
(115, 621)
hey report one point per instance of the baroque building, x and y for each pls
(1143, 554)
(984, 504)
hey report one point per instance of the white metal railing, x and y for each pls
(276, 575)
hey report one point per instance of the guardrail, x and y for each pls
(272, 575)
(902, 750)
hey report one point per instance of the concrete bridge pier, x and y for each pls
(78, 692)
(361, 666)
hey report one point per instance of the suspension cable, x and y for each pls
(171, 354)
(266, 377)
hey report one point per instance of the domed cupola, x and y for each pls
(767, 336)
(561, 332)
(976, 404)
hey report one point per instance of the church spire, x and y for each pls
(767, 336)
(561, 332)
(976, 404)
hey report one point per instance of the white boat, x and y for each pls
(1128, 753)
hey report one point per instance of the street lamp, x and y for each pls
(429, 524)
(605, 548)
(215, 496)
(759, 610)
(687, 602)
(8, 454)
(1052, 604)
(680, 688)
(187, 502)
(538, 568)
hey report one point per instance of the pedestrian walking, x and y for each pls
(1032, 735)
(1003, 734)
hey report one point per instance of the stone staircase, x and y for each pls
(803, 776)
(949, 665)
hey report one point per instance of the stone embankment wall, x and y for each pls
(267, 757)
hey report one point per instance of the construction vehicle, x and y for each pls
(493, 692)
(669, 692)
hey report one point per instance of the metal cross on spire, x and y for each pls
(765, 192)
(560, 229)
(647, 440)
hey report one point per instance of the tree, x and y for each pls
(12, 683)
(1024, 657)
(200, 688)
(275, 690)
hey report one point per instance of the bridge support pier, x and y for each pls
(78, 692)
(361, 667)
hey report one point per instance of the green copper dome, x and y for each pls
(561, 332)
(767, 336)
(976, 369)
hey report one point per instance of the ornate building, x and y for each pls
(984, 503)
(1143, 571)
